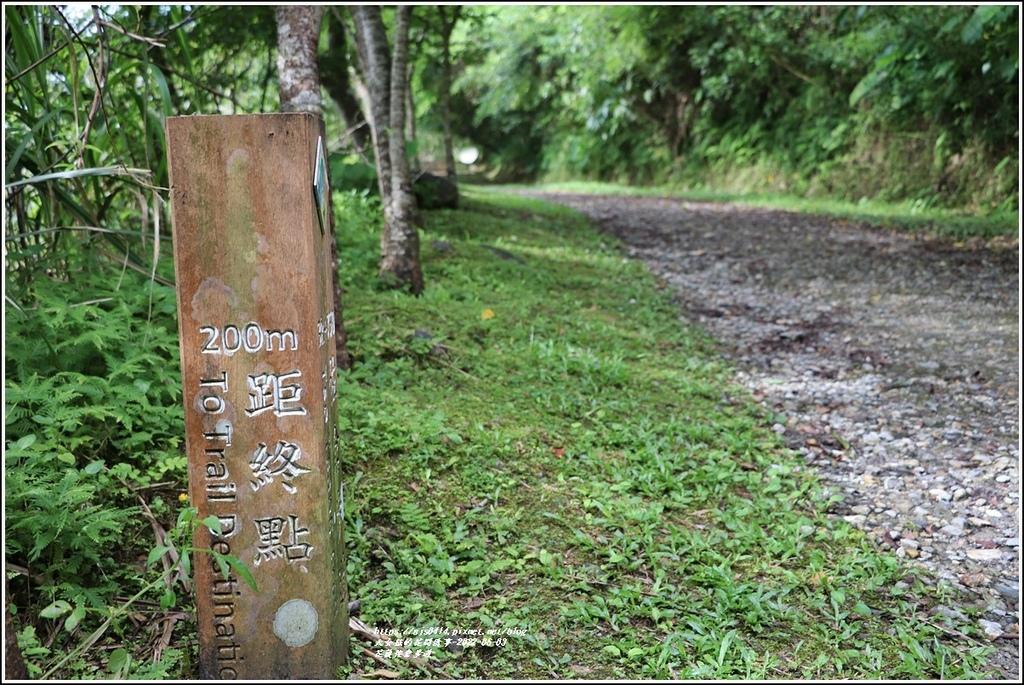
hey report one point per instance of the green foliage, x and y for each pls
(894, 103)
(86, 94)
(92, 418)
(541, 450)
(56, 519)
(351, 173)
(954, 66)
(93, 422)
(121, 664)
(97, 370)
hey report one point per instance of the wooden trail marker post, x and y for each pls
(251, 210)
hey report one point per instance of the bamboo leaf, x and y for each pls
(79, 173)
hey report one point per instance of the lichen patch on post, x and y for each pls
(296, 622)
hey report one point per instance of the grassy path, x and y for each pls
(539, 449)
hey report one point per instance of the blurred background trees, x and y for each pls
(891, 103)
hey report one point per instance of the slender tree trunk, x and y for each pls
(334, 76)
(298, 77)
(375, 60)
(410, 118)
(447, 25)
(386, 80)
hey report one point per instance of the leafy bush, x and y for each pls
(93, 422)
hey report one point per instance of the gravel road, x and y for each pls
(891, 362)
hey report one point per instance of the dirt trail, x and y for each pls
(891, 362)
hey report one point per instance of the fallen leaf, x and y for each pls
(973, 579)
(558, 451)
(487, 314)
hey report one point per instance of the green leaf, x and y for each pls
(866, 86)
(612, 649)
(168, 599)
(186, 516)
(222, 563)
(94, 467)
(242, 570)
(78, 173)
(974, 29)
(118, 660)
(57, 608)
(25, 442)
(862, 609)
(74, 619)
(156, 553)
(213, 523)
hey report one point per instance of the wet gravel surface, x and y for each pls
(891, 363)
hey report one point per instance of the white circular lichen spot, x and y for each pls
(296, 622)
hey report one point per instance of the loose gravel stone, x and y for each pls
(1008, 590)
(991, 628)
(894, 358)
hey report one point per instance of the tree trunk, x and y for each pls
(410, 117)
(375, 62)
(334, 76)
(447, 25)
(400, 244)
(298, 78)
(386, 80)
(14, 662)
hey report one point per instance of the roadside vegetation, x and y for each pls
(540, 448)
(876, 103)
(535, 446)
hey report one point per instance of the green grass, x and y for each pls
(538, 447)
(910, 215)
